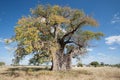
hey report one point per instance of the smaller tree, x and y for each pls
(94, 63)
(79, 64)
(2, 63)
(102, 64)
(39, 59)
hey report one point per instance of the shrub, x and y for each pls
(102, 64)
(2, 63)
(94, 63)
(79, 65)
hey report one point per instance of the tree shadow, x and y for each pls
(15, 71)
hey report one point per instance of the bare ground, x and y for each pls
(40, 73)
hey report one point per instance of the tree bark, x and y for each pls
(55, 63)
(68, 61)
(61, 61)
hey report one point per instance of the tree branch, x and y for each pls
(78, 44)
(70, 51)
(72, 32)
(54, 33)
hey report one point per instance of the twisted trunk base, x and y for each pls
(61, 62)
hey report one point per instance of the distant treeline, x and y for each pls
(97, 64)
(113, 65)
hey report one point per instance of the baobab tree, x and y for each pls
(54, 33)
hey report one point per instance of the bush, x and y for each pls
(79, 65)
(102, 64)
(94, 63)
(116, 65)
(2, 63)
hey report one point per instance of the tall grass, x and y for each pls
(83, 73)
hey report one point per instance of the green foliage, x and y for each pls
(79, 65)
(88, 35)
(94, 63)
(39, 59)
(102, 64)
(2, 63)
(50, 28)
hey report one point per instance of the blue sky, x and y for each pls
(106, 12)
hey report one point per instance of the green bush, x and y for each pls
(2, 63)
(102, 64)
(94, 63)
(79, 65)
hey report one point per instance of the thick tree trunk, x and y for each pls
(55, 63)
(57, 60)
(61, 61)
(68, 61)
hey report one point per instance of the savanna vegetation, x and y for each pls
(39, 73)
(2, 63)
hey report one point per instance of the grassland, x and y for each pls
(37, 73)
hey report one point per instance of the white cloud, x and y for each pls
(10, 48)
(5, 40)
(113, 39)
(112, 48)
(89, 49)
(116, 18)
(101, 55)
(8, 40)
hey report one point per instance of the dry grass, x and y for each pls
(35, 73)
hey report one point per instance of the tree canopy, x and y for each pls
(53, 33)
(94, 63)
